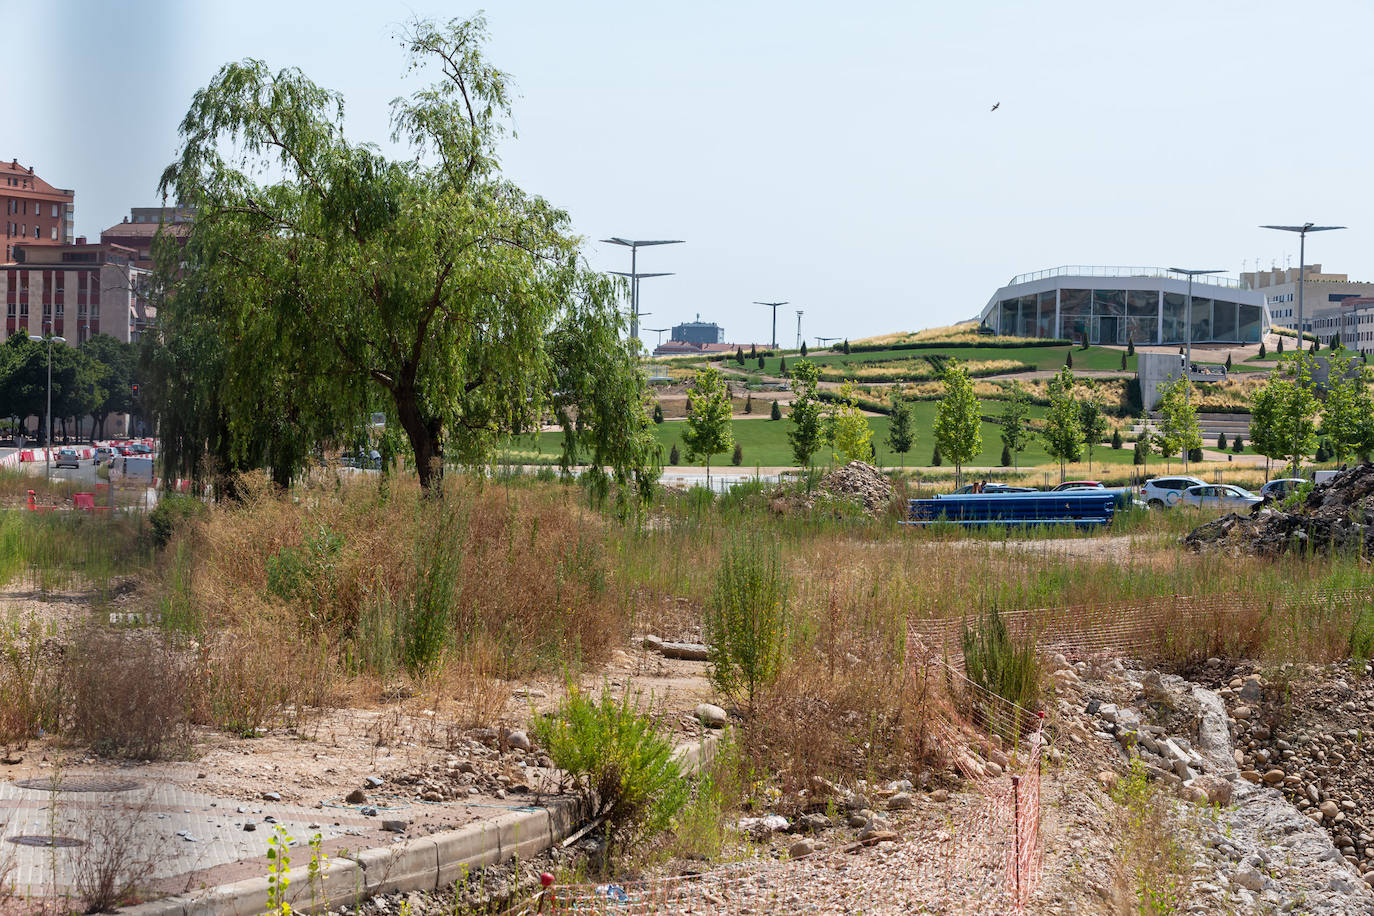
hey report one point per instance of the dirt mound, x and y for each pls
(1336, 516)
(855, 482)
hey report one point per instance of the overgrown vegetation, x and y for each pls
(746, 619)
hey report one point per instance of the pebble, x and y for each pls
(518, 740)
(395, 825)
(711, 716)
(940, 795)
(900, 802)
(801, 848)
(356, 797)
(271, 796)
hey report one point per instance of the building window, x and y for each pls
(54, 211)
(54, 233)
(37, 232)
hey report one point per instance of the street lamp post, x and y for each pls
(47, 442)
(634, 245)
(774, 307)
(799, 337)
(1188, 317)
(659, 332)
(1302, 262)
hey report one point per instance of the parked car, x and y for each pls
(1079, 485)
(104, 454)
(1280, 488)
(1164, 492)
(141, 449)
(125, 450)
(967, 489)
(1220, 496)
(66, 458)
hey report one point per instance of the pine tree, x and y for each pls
(1117, 443)
(846, 347)
(739, 355)
(1130, 347)
(1123, 360)
(753, 351)
(658, 412)
(1221, 442)
(1262, 353)
(749, 402)
(761, 361)
(782, 367)
(776, 412)
(737, 458)
(803, 349)
(1228, 360)
(1068, 360)
(673, 457)
(1238, 445)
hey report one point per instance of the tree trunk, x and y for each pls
(424, 435)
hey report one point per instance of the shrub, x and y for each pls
(776, 412)
(674, 458)
(1117, 442)
(1194, 454)
(749, 402)
(746, 618)
(1238, 445)
(935, 460)
(737, 457)
(1006, 455)
(658, 412)
(1068, 359)
(171, 512)
(621, 761)
(1361, 644)
(424, 626)
(31, 688)
(1003, 666)
(1262, 352)
(129, 693)
(1221, 442)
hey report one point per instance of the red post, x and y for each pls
(1016, 833)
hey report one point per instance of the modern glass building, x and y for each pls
(1118, 305)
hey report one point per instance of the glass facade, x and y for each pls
(1118, 317)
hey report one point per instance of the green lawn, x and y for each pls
(765, 442)
(1040, 357)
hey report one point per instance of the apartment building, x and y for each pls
(76, 291)
(36, 213)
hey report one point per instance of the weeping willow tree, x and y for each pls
(321, 280)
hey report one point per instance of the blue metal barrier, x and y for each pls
(1084, 509)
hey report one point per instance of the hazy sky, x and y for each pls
(841, 156)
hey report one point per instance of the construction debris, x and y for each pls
(1337, 516)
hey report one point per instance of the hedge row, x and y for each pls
(990, 342)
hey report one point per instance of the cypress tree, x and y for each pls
(760, 360)
(1068, 359)
(776, 412)
(1221, 442)
(749, 402)
(803, 349)
(782, 367)
(1280, 345)
(658, 412)
(935, 457)
(1228, 360)
(1130, 347)
(1006, 455)
(738, 457)
(673, 456)
(1262, 352)
(1117, 443)
(1123, 360)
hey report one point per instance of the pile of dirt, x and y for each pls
(1337, 516)
(856, 482)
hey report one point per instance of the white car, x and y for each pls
(1165, 492)
(1220, 496)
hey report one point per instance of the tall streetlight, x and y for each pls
(634, 245)
(799, 337)
(1188, 319)
(774, 307)
(822, 341)
(635, 313)
(659, 332)
(1302, 262)
(47, 443)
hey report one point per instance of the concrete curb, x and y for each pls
(424, 863)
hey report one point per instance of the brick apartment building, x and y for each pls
(142, 223)
(36, 213)
(76, 291)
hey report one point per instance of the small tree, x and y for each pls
(782, 366)
(1063, 432)
(739, 355)
(1221, 442)
(708, 429)
(749, 402)
(658, 412)
(808, 431)
(1117, 443)
(1130, 347)
(803, 350)
(846, 346)
(1015, 430)
(850, 433)
(674, 458)
(1178, 430)
(1123, 360)
(1006, 454)
(776, 412)
(746, 618)
(1262, 352)
(1228, 360)
(737, 457)
(901, 432)
(1238, 445)
(761, 362)
(1140, 451)
(958, 421)
(753, 351)
(1068, 360)
(935, 459)
(1280, 347)
(1094, 424)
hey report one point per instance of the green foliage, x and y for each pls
(1140, 452)
(782, 366)
(958, 420)
(1280, 348)
(171, 512)
(1154, 859)
(761, 364)
(1130, 348)
(749, 402)
(1228, 360)
(1347, 412)
(1361, 644)
(737, 457)
(1068, 360)
(1093, 423)
(901, 432)
(674, 458)
(935, 459)
(707, 431)
(1063, 431)
(1263, 353)
(658, 412)
(1117, 443)
(1016, 432)
(845, 347)
(808, 430)
(1123, 360)
(1178, 427)
(775, 412)
(621, 761)
(1238, 444)
(1283, 413)
(746, 618)
(1221, 442)
(803, 350)
(429, 285)
(1002, 665)
(424, 629)
(1006, 455)
(849, 431)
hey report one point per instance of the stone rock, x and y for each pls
(356, 797)
(1329, 809)
(856, 820)
(1250, 689)
(862, 483)
(1217, 789)
(801, 848)
(940, 795)
(1107, 711)
(1249, 879)
(900, 802)
(1065, 676)
(1241, 712)
(652, 643)
(271, 796)
(249, 826)
(374, 782)
(763, 826)
(518, 740)
(1273, 777)
(395, 825)
(1251, 776)
(711, 716)
(1107, 779)
(813, 821)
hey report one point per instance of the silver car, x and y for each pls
(1220, 496)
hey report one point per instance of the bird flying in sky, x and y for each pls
(996, 106)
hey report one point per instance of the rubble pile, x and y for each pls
(861, 482)
(1337, 516)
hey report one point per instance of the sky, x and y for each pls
(842, 157)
